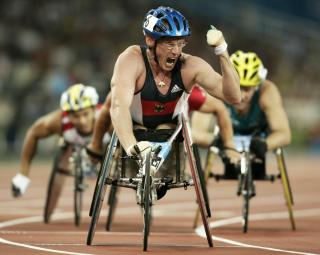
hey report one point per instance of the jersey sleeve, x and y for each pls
(196, 98)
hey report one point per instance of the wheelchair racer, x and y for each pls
(260, 115)
(74, 122)
(155, 88)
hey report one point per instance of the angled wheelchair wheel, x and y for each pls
(95, 193)
(112, 203)
(286, 185)
(196, 179)
(147, 201)
(78, 190)
(56, 182)
(101, 187)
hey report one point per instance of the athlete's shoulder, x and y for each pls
(192, 63)
(188, 58)
(269, 95)
(269, 88)
(51, 122)
(131, 51)
(130, 57)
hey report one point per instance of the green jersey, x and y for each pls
(254, 122)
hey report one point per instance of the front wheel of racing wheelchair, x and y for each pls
(145, 185)
(67, 162)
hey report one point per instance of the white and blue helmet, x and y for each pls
(165, 22)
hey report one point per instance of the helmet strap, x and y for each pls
(155, 52)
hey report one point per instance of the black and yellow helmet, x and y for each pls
(78, 97)
(249, 67)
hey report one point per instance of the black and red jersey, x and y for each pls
(150, 108)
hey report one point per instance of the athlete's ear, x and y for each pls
(150, 42)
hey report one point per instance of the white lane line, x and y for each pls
(39, 248)
(199, 231)
(65, 215)
(255, 217)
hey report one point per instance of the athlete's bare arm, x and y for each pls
(45, 126)
(216, 106)
(123, 83)
(225, 86)
(102, 125)
(200, 130)
(271, 104)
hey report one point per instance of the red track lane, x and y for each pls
(171, 231)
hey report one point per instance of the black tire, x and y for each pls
(78, 193)
(94, 198)
(202, 179)
(147, 202)
(101, 187)
(247, 192)
(55, 186)
(112, 203)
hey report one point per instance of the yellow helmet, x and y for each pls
(249, 67)
(78, 97)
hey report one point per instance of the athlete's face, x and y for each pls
(83, 120)
(169, 51)
(246, 96)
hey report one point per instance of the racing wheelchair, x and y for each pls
(68, 161)
(146, 183)
(249, 170)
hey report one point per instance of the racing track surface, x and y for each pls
(23, 232)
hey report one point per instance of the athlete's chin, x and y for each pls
(84, 131)
(168, 67)
(241, 106)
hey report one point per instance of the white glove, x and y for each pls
(19, 184)
(142, 145)
(215, 39)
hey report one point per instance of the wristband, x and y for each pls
(230, 149)
(93, 154)
(220, 48)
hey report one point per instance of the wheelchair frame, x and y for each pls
(246, 182)
(144, 186)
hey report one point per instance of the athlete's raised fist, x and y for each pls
(214, 37)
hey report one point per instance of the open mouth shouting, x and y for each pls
(170, 62)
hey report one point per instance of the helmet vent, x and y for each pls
(160, 15)
(157, 28)
(246, 60)
(253, 75)
(176, 22)
(184, 24)
(245, 71)
(167, 25)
